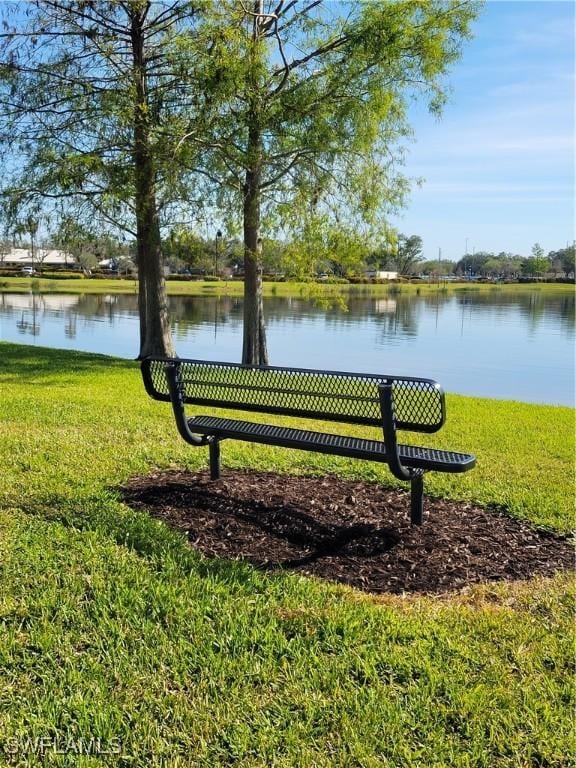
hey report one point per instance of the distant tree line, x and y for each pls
(185, 251)
(188, 253)
(507, 266)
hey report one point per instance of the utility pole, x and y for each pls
(32, 229)
(218, 241)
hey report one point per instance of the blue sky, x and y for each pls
(499, 164)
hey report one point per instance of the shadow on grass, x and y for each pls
(353, 532)
(163, 547)
(103, 513)
(291, 536)
(29, 362)
(241, 547)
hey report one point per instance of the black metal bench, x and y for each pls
(391, 402)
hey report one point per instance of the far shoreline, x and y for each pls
(270, 288)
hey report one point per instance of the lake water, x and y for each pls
(516, 345)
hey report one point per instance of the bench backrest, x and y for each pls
(325, 395)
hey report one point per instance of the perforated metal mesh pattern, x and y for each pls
(341, 445)
(330, 395)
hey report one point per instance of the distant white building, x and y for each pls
(118, 264)
(378, 274)
(48, 257)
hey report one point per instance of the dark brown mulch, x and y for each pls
(357, 533)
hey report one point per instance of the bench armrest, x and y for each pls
(172, 371)
(385, 392)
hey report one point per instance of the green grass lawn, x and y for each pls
(236, 287)
(113, 629)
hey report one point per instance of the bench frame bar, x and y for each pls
(414, 476)
(298, 412)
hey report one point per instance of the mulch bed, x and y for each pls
(356, 533)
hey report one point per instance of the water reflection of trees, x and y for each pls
(394, 315)
(536, 306)
(28, 324)
(28, 321)
(190, 313)
(33, 309)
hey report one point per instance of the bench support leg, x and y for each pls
(214, 448)
(416, 498)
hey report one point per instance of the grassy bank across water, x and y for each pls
(112, 628)
(288, 289)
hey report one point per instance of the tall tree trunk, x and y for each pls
(254, 349)
(155, 333)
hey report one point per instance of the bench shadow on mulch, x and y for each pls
(356, 533)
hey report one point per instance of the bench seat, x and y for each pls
(391, 403)
(340, 445)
